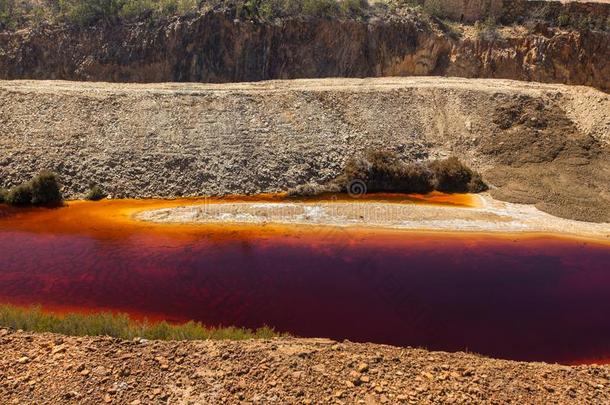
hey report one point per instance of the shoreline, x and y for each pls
(483, 215)
(292, 370)
(269, 214)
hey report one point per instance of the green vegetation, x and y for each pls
(384, 171)
(452, 176)
(14, 13)
(42, 190)
(20, 195)
(119, 325)
(436, 8)
(563, 20)
(271, 9)
(488, 30)
(95, 194)
(45, 189)
(3, 195)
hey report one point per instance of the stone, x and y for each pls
(58, 349)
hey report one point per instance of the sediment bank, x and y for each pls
(539, 144)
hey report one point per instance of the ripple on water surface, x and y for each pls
(508, 296)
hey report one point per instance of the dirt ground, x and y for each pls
(52, 369)
(541, 144)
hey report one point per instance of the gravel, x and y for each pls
(50, 369)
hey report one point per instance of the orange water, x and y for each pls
(527, 297)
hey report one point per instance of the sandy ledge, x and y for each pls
(488, 215)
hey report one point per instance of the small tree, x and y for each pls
(44, 189)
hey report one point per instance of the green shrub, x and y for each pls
(584, 23)
(20, 195)
(387, 173)
(3, 195)
(436, 8)
(320, 8)
(136, 8)
(563, 20)
(95, 194)
(13, 13)
(6, 13)
(84, 12)
(44, 189)
(452, 176)
(384, 171)
(180, 7)
(119, 326)
(476, 183)
(353, 8)
(452, 29)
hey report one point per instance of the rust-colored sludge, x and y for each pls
(508, 296)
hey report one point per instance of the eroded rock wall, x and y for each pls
(216, 48)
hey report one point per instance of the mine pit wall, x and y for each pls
(172, 140)
(215, 48)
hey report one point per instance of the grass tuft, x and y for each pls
(121, 326)
(95, 194)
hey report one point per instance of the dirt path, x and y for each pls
(51, 369)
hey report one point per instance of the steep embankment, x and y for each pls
(46, 368)
(216, 47)
(541, 144)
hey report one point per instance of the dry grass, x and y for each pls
(119, 325)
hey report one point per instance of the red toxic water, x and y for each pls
(515, 297)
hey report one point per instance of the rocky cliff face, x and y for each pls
(214, 47)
